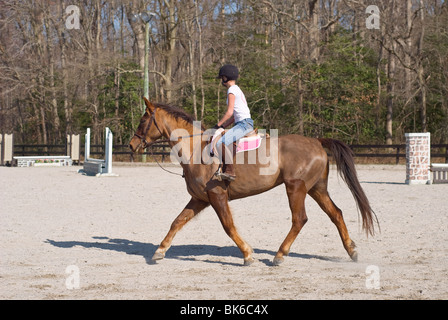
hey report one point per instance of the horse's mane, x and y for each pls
(176, 112)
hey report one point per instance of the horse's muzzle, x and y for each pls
(136, 145)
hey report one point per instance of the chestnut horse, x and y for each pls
(302, 165)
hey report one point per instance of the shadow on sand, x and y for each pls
(182, 252)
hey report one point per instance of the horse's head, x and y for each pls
(148, 130)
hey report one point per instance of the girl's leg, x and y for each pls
(228, 151)
(239, 130)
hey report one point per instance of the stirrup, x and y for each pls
(223, 176)
(228, 177)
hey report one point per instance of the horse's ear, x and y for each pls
(149, 106)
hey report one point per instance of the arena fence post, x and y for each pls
(418, 158)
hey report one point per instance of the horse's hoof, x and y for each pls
(278, 261)
(158, 256)
(354, 256)
(248, 261)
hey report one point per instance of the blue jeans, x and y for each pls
(239, 130)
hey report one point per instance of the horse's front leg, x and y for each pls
(192, 209)
(219, 201)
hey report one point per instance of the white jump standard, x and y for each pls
(98, 167)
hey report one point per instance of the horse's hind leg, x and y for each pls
(219, 201)
(296, 191)
(192, 209)
(320, 194)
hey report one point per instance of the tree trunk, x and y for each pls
(191, 69)
(390, 98)
(117, 90)
(378, 79)
(171, 32)
(52, 89)
(134, 7)
(300, 103)
(67, 109)
(314, 30)
(201, 81)
(43, 123)
(391, 79)
(299, 73)
(421, 71)
(407, 56)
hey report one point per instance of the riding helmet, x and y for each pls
(229, 71)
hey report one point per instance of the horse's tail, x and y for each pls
(345, 164)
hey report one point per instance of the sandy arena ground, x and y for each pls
(68, 236)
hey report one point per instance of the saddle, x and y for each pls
(250, 141)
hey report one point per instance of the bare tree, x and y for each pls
(55, 80)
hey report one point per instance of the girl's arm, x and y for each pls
(228, 119)
(228, 122)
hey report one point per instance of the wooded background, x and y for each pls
(310, 67)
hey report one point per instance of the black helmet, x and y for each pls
(229, 71)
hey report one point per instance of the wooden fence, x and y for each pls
(395, 151)
(123, 153)
(96, 150)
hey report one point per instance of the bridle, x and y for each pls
(145, 144)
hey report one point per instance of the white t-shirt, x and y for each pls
(241, 110)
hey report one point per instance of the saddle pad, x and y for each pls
(244, 144)
(247, 144)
